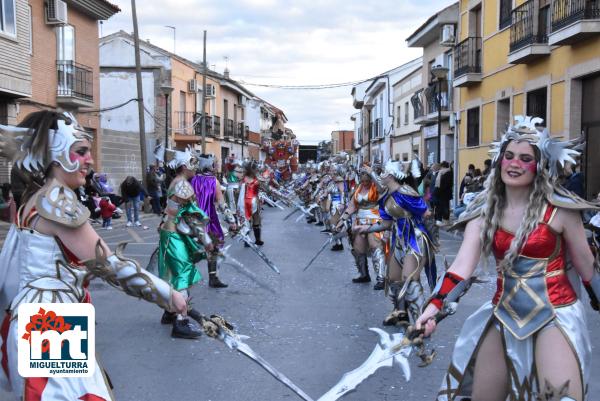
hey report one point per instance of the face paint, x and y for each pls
(524, 162)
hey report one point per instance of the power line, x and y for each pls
(308, 87)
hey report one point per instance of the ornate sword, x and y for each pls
(244, 238)
(217, 327)
(396, 348)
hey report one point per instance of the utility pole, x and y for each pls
(140, 94)
(203, 117)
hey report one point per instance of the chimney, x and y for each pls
(226, 73)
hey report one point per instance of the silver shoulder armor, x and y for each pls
(59, 204)
(226, 211)
(127, 275)
(183, 189)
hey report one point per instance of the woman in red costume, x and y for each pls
(530, 342)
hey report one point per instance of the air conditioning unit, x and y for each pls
(448, 38)
(242, 100)
(192, 86)
(211, 90)
(56, 12)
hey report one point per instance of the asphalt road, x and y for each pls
(313, 326)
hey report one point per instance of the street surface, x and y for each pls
(313, 326)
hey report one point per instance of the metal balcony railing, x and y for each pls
(467, 56)
(228, 129)
(216, 126)
(431, 93)
(75, 80)
(565, 12)
(522, 30)
(213, 125)
(240, 131)
(418, 105)
(183, 122)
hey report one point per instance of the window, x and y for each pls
(505, 11)
(404, 157)
(398, 116)
(405, 113)
(502, 117)
(65, 43)
(225, 110)
(473, 127)
(536, 104)
(8, 19)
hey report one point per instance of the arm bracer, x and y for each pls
(194, 226)
(127, 275)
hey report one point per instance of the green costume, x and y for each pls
(179, 252)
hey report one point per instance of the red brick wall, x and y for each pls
(43, 64)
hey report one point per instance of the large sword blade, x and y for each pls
(217, 327)
(230, 260)
(245, 349)
(310, 262)
(332, 238)
(258, 252)
(381, 356)
(290, 214)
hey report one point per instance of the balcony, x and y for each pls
(213, 126)
(425, 104)
(574, 20)
(75, 84)
(228, 133)
(528, 33)
(240, 132)
(467, 58)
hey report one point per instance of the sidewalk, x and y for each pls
(147, 219)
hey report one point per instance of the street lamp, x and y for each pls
(166, 90)
(440, 74)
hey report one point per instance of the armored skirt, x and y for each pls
(179, 253)
(532, 295)
(36, 268)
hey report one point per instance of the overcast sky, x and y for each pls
(292, 42)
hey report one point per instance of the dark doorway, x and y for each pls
(590, 126)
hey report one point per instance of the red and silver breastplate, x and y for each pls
(528, 292)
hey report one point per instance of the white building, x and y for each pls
(375, 101)
(406, 138)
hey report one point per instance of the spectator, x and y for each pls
(443, 194)
(131, 189)
(106, 211)
(154, 190)
(430, 185)
(487, 167)
(573, 180)
(470, 174)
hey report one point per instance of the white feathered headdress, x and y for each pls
(177, 158)
(553, 152)
(401, 170)
(46, 137)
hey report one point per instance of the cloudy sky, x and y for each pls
(288, 42)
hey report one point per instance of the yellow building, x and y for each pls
(535, 57)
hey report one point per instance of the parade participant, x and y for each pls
(232, 183)
(183, 240)
(210, 197)
(51, 252)
(336, 192)
(249, 202)
(365, 204)
(412, 247)
(530, 342)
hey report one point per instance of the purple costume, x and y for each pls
(205, 189)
